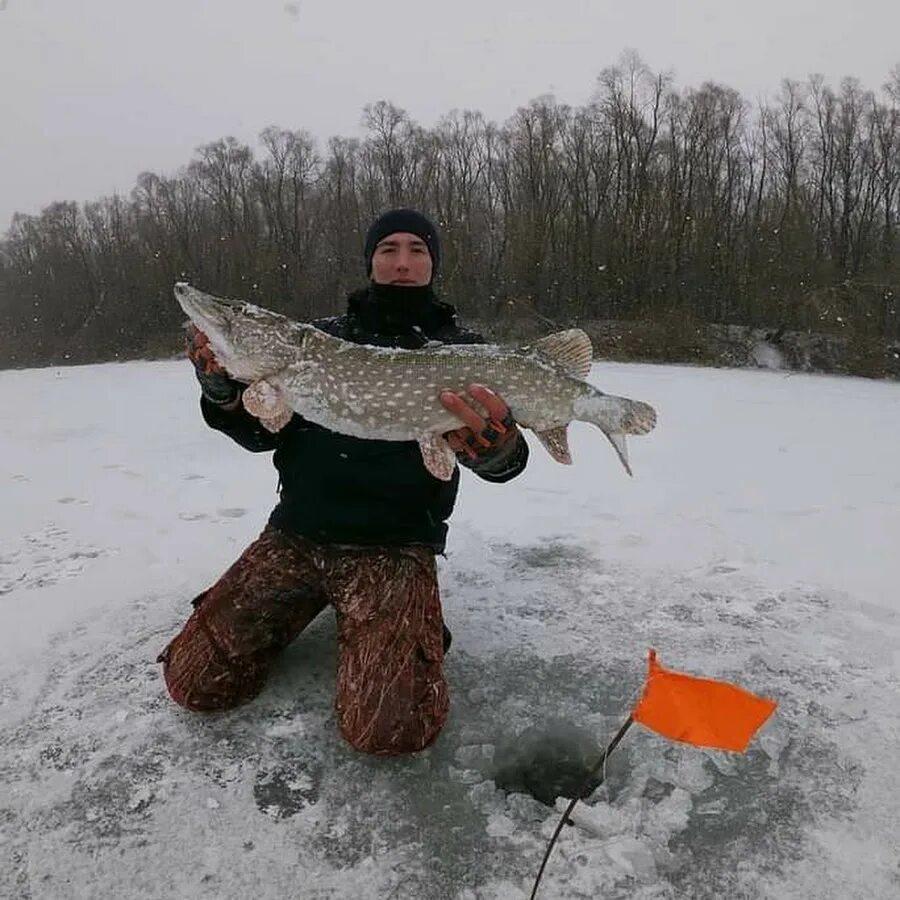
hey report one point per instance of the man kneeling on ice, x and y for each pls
(358, 525)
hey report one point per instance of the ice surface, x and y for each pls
(757, 542)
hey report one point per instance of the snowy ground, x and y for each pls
(759, 542)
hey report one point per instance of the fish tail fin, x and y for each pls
(616, 417)
(617, 439)
(638, 417)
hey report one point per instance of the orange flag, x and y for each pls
(699, 710)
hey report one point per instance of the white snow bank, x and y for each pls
(757, 542)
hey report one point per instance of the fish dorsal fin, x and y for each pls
(571, 349)
(556, 442)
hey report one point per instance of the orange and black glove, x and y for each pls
(215, 383)
(490, 444)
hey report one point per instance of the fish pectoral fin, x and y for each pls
(265, 401)
(556, 440)
(277, 422)
(437, 455)
(571, 349)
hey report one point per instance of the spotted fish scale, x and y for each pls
(392, 394)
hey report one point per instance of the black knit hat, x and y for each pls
(408, 220)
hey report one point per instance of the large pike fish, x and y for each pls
(392, 394)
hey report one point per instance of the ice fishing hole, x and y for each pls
(546, 761)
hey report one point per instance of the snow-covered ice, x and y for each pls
(759, 542)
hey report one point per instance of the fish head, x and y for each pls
(248, 341)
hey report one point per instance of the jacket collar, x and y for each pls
(392, 310)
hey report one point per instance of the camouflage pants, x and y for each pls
(391, 694)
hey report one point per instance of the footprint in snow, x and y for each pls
(45, 557)
(232, 512)
(118, 467)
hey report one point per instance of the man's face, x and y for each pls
(401, 258)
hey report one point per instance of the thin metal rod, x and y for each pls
(598, 768)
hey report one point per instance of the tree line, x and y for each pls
(648, 202)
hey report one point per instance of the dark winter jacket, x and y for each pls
(345, 490)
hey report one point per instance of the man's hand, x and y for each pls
(215, 383)
(482, 437)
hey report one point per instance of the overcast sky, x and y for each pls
(92, 92)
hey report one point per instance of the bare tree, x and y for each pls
(647, 202)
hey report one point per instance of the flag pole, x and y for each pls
(596, 769)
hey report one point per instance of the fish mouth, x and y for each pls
(211, 315)
(205, 311)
